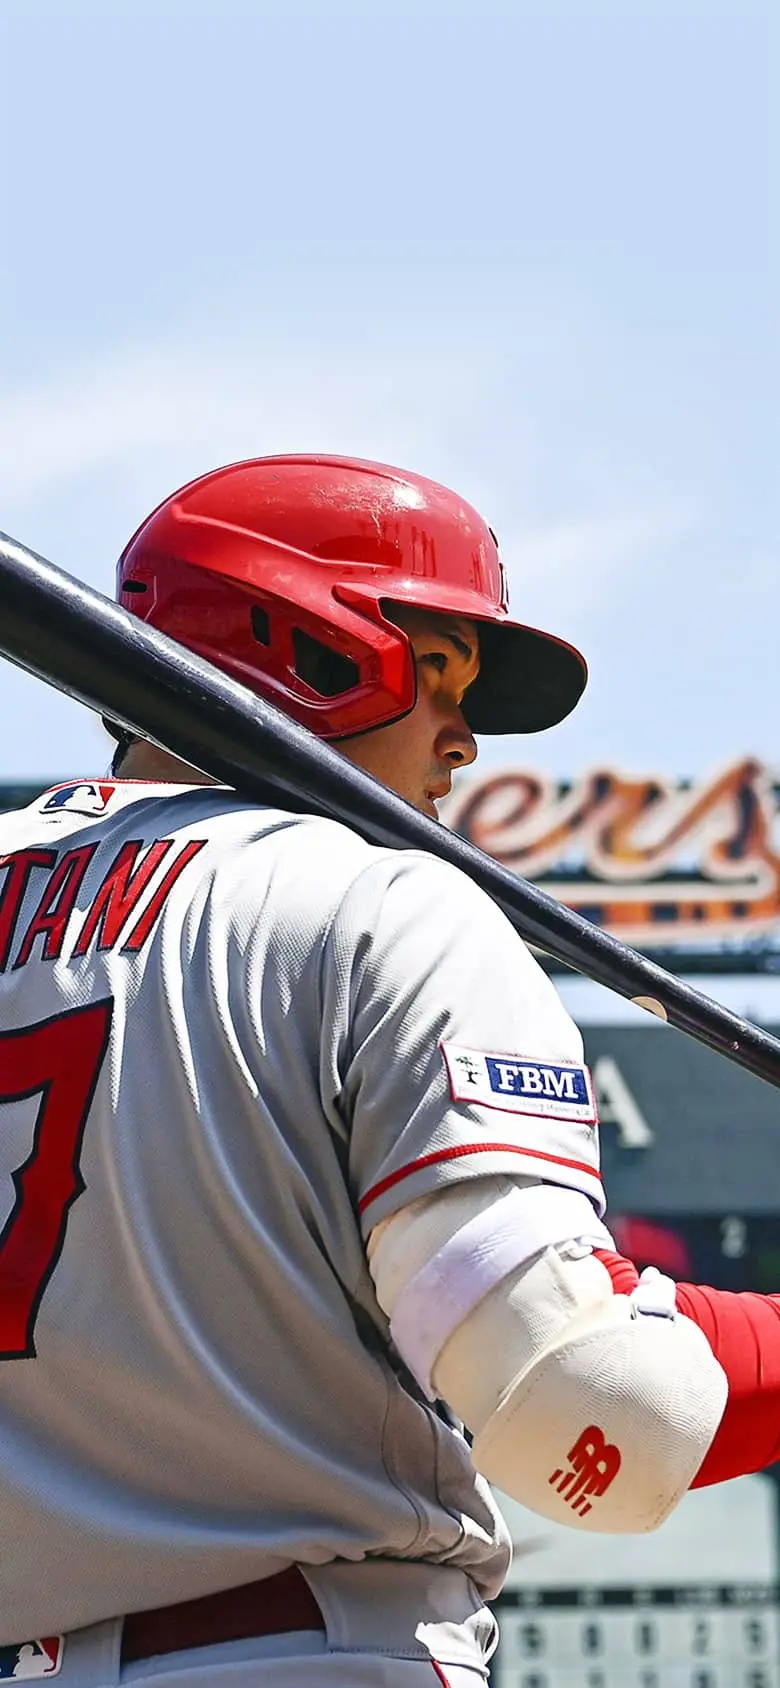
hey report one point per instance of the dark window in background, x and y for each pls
(728, 1250)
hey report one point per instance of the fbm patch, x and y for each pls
(518, 1084)
(27, 1661)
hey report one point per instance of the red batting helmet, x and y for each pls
(281, 570)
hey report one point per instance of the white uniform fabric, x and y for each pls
(226, 1022)
(301, 1660)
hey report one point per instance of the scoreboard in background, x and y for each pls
(672, 1636)
(695, 1604)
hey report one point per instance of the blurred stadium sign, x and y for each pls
(688, 871)
(618, 1106)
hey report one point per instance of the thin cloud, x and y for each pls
(198, 406)
(577, 560)
(82, 422)
(155, 415)
(176, 410)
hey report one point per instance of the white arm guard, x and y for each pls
(591, 1408)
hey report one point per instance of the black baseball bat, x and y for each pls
(71, 636)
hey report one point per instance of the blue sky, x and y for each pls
(529, 249)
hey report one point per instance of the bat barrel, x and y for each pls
(74, 638)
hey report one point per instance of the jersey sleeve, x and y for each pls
(451, 1055)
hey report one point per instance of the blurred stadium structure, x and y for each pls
(689, 872)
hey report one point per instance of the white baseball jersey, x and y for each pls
(232, 1039)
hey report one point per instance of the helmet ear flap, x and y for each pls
(331, 660)
(327, 672)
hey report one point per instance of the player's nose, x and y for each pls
(455, 743)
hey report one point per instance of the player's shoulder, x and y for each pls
(421, 879)
(410, 916)
(324, 864)
(309, 859)
(413, 896)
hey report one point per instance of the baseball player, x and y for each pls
(298, 1164)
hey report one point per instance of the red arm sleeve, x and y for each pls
(743, 1332)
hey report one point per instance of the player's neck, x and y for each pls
(144, 761)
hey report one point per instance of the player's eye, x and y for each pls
(439, 659)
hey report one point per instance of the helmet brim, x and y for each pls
(528, 680)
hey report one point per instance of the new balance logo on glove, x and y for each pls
(594, 1464)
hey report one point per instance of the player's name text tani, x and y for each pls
(122, 912)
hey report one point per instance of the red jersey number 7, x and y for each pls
(61, 1058)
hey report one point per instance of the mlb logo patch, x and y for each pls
(91, 797)
(27, 1661)
(519, 1084)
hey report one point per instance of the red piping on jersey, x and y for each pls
(444, 1680)
(467, 1149)
(743, 1332)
